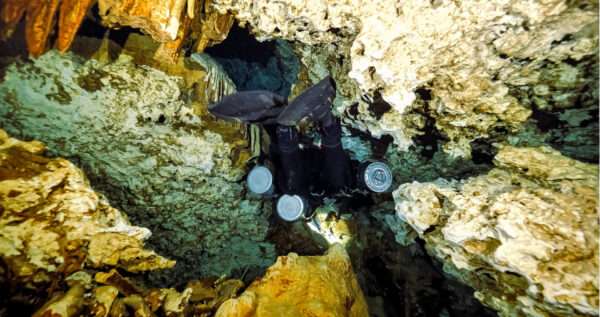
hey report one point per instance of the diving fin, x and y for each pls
(314, 103)
(254, 106)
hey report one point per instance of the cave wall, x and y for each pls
(524, 234)
(143, 146)
(464, 77)
(485, 65)
(472, 76)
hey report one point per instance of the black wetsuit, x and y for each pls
(311, 172)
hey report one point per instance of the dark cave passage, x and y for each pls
(254, 65)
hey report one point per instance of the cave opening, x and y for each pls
(252, 65)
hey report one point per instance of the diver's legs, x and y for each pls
(292, 172)
(337, 170)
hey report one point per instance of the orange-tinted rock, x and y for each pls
(11, 13)
(39, 23)
(66, 305)
(168, 52)
(210, 27)
(160, 19)
(71, 15)
(302, 286)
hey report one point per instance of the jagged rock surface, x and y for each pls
(302, 286)
(524, 235)
(477, 68)
(160, 19)
(53, 223)
(143, 146)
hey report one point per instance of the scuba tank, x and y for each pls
(292, 207)
(260, 180)
(374, 176)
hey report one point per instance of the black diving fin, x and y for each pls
(314, 103)
(256, 106)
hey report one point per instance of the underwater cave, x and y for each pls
(251, 158)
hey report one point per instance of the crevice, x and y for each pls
(254, 65)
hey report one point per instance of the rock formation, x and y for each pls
(476, 68)
(170, 23)
(11, 12)
(160, 19)
(55, 229)
(142, 145)
(478, 80)
(53, 223)
(302, 286)
(72, 13)
(524, 235)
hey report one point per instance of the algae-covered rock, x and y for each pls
(476, 68)
(524, 235)
(141, 144)
(50, 214)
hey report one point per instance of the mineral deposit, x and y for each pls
(524, 235)
(143, 146)
(302, 286)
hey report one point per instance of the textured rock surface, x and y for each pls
(11, 13)
(524, 235)
(170, 23)
(141, 144)
(39, 22)
(302, 286)
(53, 223)
(72, 13)
(477, 68)
(160, 19)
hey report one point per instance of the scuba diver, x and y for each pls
(300, 174)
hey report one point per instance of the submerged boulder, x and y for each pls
(53, 224)
(134, 131)
(302, 286)
(524, 235)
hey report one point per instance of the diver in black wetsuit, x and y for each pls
(301, 175)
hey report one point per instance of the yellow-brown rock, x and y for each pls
(124, 285)
(144, 50)
(524, 235)
(168, 52)
(38, 25)
(210, 27)
(53, 223)
(302, 286)
(66, 305)
(126, 252)
(104, 296)
(138, 306)
(71, 15)
(160, 19)
(11, 13)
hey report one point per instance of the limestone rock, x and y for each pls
(11, 13)
(170, 170)
(104, 296)
(50, 213)
(67, 305)
(524, 235)
(39, 22)
(210, 27)
(160, 19)
(72, 13)
(302, 286)
(476, 68)
(125, 252)
(202, 26)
